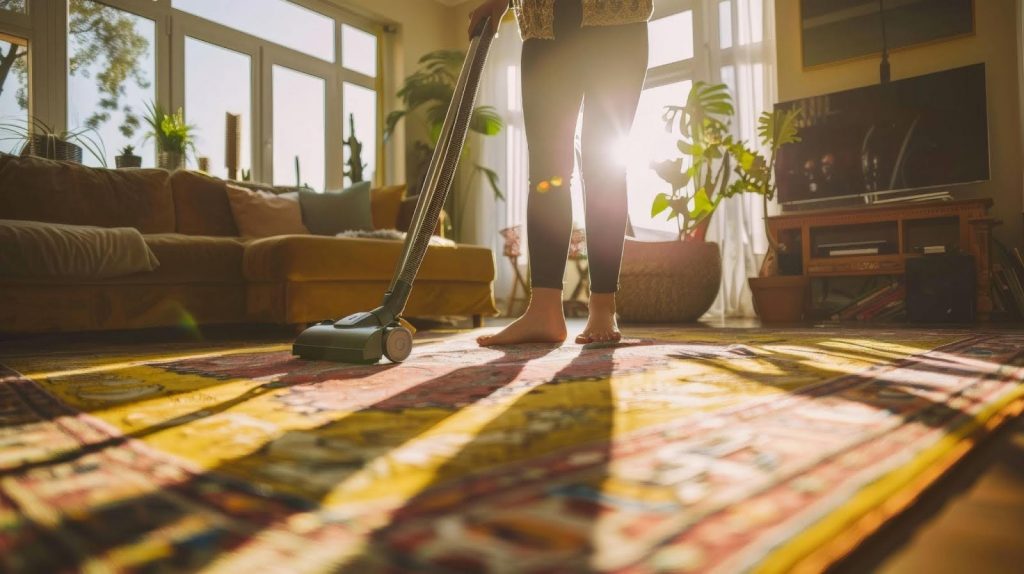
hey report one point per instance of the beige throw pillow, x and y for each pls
(263, 214)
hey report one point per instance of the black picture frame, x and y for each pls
(833, 31)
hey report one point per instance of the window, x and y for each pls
(12, 5)
(359, 51)
(13, 93)
(299, 108)
(111, 72)
(285, 68)
(361, 111)
(218, 82)
(671, 39)
(281, 22)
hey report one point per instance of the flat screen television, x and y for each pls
(924, 132)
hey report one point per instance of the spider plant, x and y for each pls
(34, 134)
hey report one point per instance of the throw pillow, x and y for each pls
(336, 211)
(386, 203)
(263, 214)
(37, 249)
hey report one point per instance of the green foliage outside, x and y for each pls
(99, 35)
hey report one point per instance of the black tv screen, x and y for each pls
(922, 132)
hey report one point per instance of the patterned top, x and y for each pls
(537, 17)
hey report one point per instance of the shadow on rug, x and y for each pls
(678, 450)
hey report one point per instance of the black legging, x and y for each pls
(603, 68)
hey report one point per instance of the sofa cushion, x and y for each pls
(194, 259)
(64, 192)
(316, 258)
(263, 214)
(336, 211)
(201, 205)
(385, 204)
(33, 249)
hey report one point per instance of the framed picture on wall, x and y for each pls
(838, 30)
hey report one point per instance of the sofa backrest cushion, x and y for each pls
(263, 214)
(64, 192)
(201, 205)
(386, 203)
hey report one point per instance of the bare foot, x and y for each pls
(543, 322)
(601, 325)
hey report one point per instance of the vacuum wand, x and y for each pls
(367, 336)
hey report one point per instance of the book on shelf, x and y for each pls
(892, 298)
(853, 251)
(851, 310)
(931, 249)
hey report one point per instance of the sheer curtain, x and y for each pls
(746, 64)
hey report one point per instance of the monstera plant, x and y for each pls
(426, 95)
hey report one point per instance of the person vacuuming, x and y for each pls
(589, 53)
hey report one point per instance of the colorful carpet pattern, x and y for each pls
(676, 451)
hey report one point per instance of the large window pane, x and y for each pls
(650, 142)
(282, 22)
(111, 66)
(218, 81)
(12, 5)
(358, 50)
(13, 94)
(299, 109)
(671, 39)
(361, 110)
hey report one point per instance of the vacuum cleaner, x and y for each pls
(365, 337)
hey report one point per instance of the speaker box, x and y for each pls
(941, 288)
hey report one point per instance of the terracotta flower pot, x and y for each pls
(668, 281)
(780, 299)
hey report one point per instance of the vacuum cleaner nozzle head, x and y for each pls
(327, 342)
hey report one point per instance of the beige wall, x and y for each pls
(994, 43)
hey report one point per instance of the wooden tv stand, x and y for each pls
(897, 231)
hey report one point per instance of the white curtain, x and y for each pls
(748, 68)
(506, 154)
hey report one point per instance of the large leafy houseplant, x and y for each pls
(426, 95)
(714, 165)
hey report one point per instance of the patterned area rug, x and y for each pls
(678, 450)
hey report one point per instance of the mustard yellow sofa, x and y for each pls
(207, 274)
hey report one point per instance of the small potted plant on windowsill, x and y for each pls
(174, 138)
(128, 158)
(40, 140)
(777, 298)
(678, 281)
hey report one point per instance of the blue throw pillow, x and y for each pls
(332, 212)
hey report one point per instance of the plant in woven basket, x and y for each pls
(37, 138)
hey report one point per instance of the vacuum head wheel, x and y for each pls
(397, 344)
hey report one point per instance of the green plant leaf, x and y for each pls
(661, 203)
(485, 120)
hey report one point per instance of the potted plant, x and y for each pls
(174, 138)
(677, 281)
(431, 88)
(128, 158)
(40, 140)
(777, 298)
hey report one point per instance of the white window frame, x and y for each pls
(45, 29)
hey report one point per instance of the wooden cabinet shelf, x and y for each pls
(896, 232)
